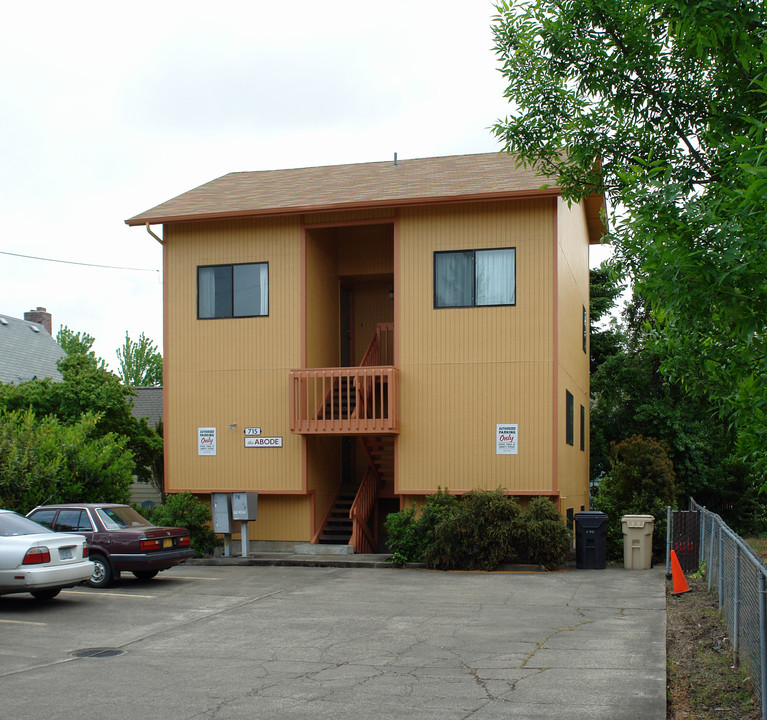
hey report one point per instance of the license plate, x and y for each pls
(167, 543)
(66, 553)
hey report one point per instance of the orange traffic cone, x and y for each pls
(678, 579)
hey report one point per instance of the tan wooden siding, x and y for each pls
(322, 338)
(281, 518)
(231, 371)
(464, 370)
(573, 375)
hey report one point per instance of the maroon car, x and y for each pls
(119, 538)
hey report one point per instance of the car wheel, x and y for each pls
(145, 574)
(46, 594)
(102, 572)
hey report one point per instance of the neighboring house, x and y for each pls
(370, 333)
(27, 348)
(147, 403)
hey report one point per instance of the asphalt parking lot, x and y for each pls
(323, 642)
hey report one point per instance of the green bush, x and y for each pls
(478, 532)
(543, 537)
(185, 510)
(409, 533)
(402, 531)
(641, 481)
(478, 535)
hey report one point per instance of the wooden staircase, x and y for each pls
(342, 401)
(380, 452)
(337, 529)
(349, 518)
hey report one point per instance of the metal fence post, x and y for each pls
(669, 521)
(736, 605)
(711, 555)
(763, 640)
(721, 568)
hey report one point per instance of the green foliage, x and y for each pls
(185, 510)
(403, 536)
(542, 537)
(88, 388)
(46, 461)
(630, 394)
(409, 533)
(604, 290)
(74, 343)
(662, 107)
(641, 481)
(140, 362)
(479, 534)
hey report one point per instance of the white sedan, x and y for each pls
(36, 560)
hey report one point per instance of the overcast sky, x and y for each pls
(108, 109)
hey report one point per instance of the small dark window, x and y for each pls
(475, 278)
(569, 417)
(44, 517)
(570, 518)
(583, 428)
(585, 331)
(72, 521)
(226, 291)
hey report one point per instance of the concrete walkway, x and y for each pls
(276, 642)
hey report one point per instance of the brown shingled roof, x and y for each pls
(342, 187)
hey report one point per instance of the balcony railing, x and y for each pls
(344, 401)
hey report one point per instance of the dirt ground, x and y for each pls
(703, 680)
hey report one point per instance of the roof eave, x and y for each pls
(141, 220)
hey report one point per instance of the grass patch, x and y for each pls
(704, 681)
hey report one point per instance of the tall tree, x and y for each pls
(74, 343)
(140, 362)
(88, 389)
(662, 106)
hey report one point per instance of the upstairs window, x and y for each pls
(233, 291)
(474, 278)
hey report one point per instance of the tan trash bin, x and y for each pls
(637, 541)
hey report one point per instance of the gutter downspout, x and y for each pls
(156, 237)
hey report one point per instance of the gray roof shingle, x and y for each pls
(27, 351)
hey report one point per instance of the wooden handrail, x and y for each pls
(367, 400)
(381, 348)
(362, 508)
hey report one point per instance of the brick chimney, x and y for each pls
(42, 317)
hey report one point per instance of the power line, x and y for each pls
(72, 262)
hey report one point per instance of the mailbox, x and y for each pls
(222, 517)
(244, 506)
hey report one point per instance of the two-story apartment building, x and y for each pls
(345, 340)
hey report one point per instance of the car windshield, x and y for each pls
(117, 518)
(13, 524)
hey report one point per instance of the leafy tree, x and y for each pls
(76, 343)
(641, 481)
(140, 362)
(44, 460)
(630, 396)
(604, 342)
(662, 106)
(89, 389)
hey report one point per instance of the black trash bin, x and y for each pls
(590, 540)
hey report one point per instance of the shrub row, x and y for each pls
(479, 532)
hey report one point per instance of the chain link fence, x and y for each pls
(739, 577)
